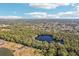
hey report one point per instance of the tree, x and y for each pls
(51, 52)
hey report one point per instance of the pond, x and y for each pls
(5, 52)
(45, 37)
(61, 41)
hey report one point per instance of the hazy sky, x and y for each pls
(39, 10)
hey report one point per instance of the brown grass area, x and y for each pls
(25, 52)
(20, 50)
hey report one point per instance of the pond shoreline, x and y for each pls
(45, 37)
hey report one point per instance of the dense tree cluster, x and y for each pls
(26, 36)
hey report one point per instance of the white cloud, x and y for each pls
(50, 16)
(77, 6)
(38, 14)
(47, 5)
(67, 15)
(61, 15)
(10, 17)
(71, 14)
(42, 15)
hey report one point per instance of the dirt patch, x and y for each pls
(18, 49)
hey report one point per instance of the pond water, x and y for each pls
(5, 52)
(62, 41)
(45, 37)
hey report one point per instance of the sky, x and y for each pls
(39, 10)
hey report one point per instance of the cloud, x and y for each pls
(77, 6)
(38, 14)
(10, 17)
(74, 14)
(60, 15)
(41, 15)
(47, 5)
(71, 14)
(68, 15)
